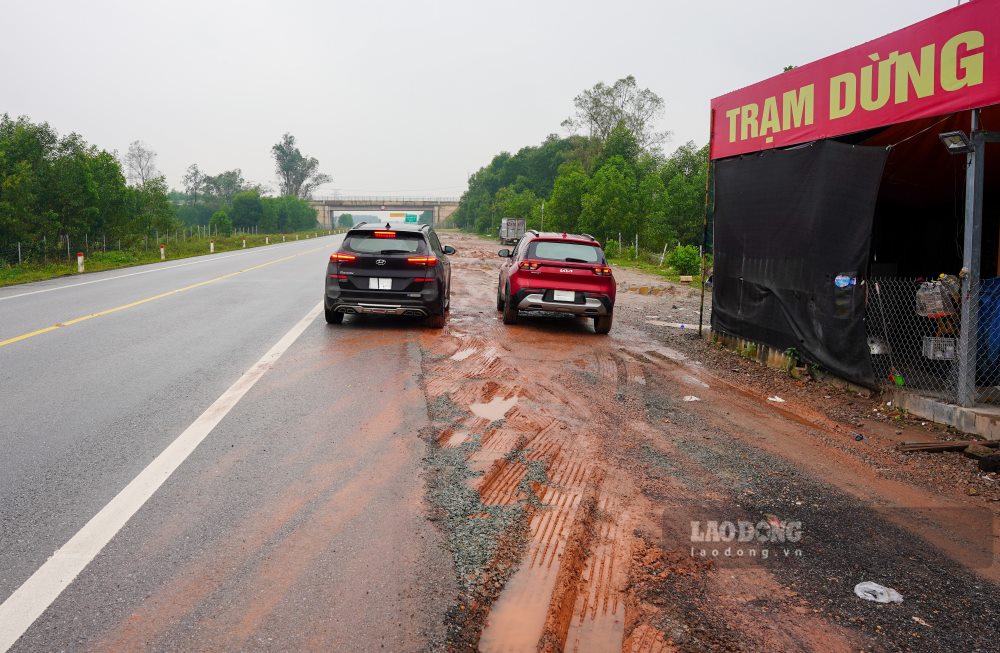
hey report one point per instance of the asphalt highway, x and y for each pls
(229, 471)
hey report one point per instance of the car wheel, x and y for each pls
(499, 299)
(602, 323)
(333, 317)
(509, 310)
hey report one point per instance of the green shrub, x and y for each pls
(685, 259)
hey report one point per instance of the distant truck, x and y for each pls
(511, 230)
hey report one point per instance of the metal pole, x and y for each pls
(68, 256)
(19, 253)
(541, 227)
(704, 228)
(971, 256)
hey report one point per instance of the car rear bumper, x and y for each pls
(370, 308)
(423, 304)
(589, 304)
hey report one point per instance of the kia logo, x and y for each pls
(380, 261)
(564, 270)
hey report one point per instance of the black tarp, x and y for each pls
(788, 223)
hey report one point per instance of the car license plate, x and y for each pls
(564, 295)
(376, 283)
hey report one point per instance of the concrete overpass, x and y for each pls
(326, 207)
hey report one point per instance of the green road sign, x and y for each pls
(412, 217)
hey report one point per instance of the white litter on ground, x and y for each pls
(870, 591)
(776, 399)
(691, 398)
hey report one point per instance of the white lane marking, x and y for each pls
(31, 599)
(209, 259)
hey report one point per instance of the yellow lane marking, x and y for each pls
(25, 336)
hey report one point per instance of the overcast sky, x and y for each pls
(403, 97)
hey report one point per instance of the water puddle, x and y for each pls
(495, 409)
(675, 325)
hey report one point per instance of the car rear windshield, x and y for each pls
(366, 242)
(565, 252)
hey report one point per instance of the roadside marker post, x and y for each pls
(79, 261)
(244, 243)
(211, 247)
(282, 238)
(163, 252)
(267, 240)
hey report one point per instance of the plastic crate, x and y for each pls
(939, 349)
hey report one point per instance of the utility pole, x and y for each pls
(542, 226)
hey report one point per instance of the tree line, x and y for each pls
(54, 185)
(607, 178)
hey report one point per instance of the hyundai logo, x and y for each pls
(380, 261)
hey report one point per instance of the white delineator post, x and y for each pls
(163, 252)
(79, 261)
(211, 247)
(267, 240)
(244, 243)
(282, 239)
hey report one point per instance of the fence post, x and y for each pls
(663, 254)
(68, 257)
(637, 246)
(19, 253)
(971, 256)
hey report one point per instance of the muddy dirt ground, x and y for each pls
(570, 473)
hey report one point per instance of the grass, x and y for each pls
(666, 271)
(98, 261)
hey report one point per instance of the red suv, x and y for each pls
(558, 273)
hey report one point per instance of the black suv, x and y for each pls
(396, 269)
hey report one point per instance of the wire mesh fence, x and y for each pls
(915, 336)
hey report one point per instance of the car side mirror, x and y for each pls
(448, 249)
(504, 253)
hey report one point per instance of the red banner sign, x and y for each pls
(947, 63)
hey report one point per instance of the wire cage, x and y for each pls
(914, 329)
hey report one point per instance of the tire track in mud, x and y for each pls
(533, 473)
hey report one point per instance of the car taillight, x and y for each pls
(528, 265)
(338, 276)
(429, 261)
(423, 279)
(604, 272)
(336, 256)
(385, 234)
